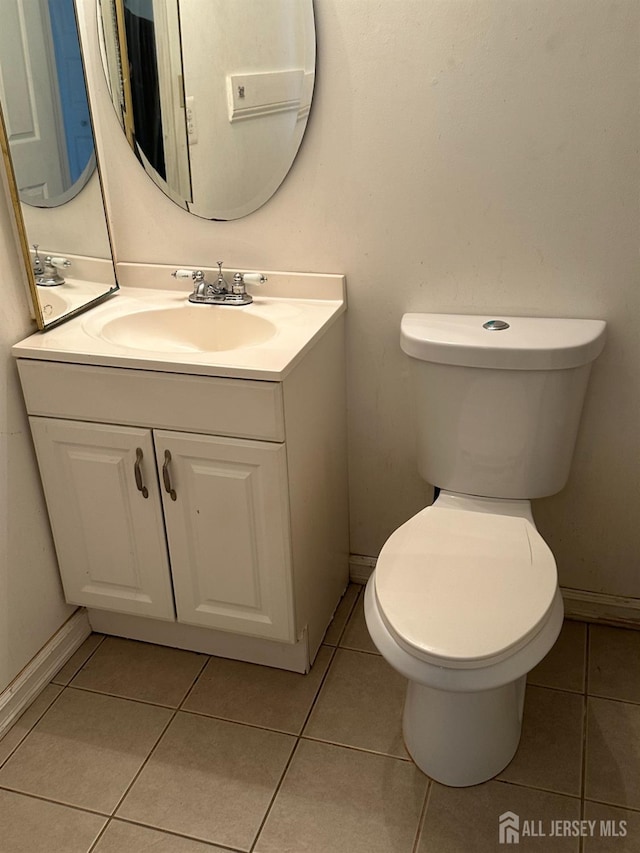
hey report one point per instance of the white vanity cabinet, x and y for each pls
(109, 540)
(199, 511)
(222, 501)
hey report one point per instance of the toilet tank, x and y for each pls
(498, 402)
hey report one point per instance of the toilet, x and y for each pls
(464, 600)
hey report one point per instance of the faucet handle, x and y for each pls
(185, 273)
(59, 262)
(254, 278)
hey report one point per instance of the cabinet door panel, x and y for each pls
(109, 538)
(228, 532)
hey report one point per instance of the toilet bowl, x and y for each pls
(464, 600)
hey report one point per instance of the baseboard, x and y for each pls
(601, 607)
(361, 568)
(15, 698)
(578, 603)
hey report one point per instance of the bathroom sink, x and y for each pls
(146, 328)
(188, 329)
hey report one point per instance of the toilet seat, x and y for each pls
(466, 582)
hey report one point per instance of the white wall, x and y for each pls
(31, 603)
(461, 155)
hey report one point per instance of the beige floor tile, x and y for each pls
(337, 800)
(467, 819)
(141, 671)
(614, 663)
(550, 751)
(259, 695)
(120, 837)
(360, 704)
(85, 750)
(77, 659)
(27, 720)
(564, 666)
(356, 634)
(209, 779)
(613, 753)
(28, 825)
(341, 615)
(614, 831)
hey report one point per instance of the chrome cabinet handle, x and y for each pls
(137, 470)
(166, 476)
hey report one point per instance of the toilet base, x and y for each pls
(462, 726)
(463, 739)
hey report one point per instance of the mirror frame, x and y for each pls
(9, 179)
(20, 231)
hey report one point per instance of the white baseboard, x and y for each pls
(15, 698)
(578, 603)
(601, 607)
(360, 568)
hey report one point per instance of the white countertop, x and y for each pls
(298, 321)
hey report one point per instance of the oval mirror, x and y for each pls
(46, 139)
(212, 95)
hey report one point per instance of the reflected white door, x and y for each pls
(30, 99)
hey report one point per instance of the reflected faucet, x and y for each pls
(47, 274)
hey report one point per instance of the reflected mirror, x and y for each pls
(212, 95)
(48, 146)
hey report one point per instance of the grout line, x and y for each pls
(173, 834)
(275, 794)
(195, 681)
(333, 651)
(96, 692)
(587, 658)
(236, 722)
(635, 809)
(423, 816)
(613, 699)
(556, 689)
(533, 788)
(82, 665)
(33, 796)
(585, 719)
(144, 763)
(99, 836)
(362, 651)
(32, 727)
(407, 759)
(583, 763)
(347, 617)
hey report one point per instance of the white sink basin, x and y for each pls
(197, 328)
(144, 328)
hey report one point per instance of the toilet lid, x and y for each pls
(464, 588)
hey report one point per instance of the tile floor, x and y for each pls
(135, 748)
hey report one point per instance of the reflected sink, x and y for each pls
(197, 328)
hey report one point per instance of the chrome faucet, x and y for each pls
(220, 292)
(48, 274)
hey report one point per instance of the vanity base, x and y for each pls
(290, 656)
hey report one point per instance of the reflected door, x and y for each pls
(73, 95)
(31, 101)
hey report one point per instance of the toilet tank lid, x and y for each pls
(527, 343)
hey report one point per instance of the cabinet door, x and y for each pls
(228, 531)
(109, 538)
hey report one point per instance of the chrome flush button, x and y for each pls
(495, 325)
